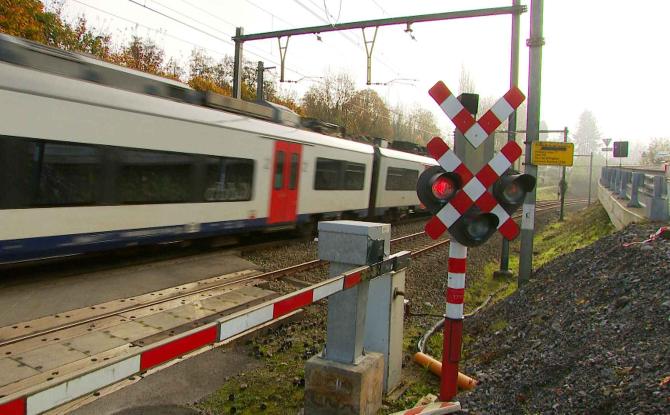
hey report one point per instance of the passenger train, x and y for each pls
(95, 156)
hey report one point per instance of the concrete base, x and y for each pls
(333, 388)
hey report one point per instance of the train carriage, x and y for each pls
(87, 164)
(398, 172)
(86, 167)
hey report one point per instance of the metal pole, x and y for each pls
(511, 127)
(590, 176)
(237, 66)
(259, 81)
(453, 322)
(404, 20)
(534, 43)
(563, 185)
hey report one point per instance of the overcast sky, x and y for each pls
(608, 56)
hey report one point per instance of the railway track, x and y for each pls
(137, 321)
(262, 277)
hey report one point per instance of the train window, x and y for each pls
(279, 171)
(228, 179)
(45, 173)
(401, 179)
(338, 175)
(354, 176)
(65, 174)
(293, 180)
(154, 176)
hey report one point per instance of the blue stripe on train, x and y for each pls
(34, 248)
(60, 245)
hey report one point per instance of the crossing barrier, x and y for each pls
(59, 391)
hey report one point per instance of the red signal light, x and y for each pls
(443, 188)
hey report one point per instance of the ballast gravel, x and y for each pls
(590, 334)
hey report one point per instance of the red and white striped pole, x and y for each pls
(453, 323)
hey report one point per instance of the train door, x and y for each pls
(285, 178)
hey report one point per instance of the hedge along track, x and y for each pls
(242, 278)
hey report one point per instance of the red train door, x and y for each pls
(284, 183)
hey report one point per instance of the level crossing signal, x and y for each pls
(473, 206)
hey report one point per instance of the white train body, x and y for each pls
(86, 167)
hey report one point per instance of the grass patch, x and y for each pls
(580, 228)
(277, 387)
(546, 193)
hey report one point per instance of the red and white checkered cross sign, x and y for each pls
(476, 131)
(473, 188)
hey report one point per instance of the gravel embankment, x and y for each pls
(590, 334)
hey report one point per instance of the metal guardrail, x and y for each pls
(647, 189)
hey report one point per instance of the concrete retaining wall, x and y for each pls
(619, 214)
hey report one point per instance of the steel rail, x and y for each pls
(270, 275)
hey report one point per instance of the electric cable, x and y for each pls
(161, 31)
(211, 35)
(328, 15)
(421, 344)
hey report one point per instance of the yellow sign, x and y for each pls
(552, 153)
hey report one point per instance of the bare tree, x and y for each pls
(370, 115)
(466, 82)
(328, 99)
(587, 136)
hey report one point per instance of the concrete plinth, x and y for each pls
(333, 388)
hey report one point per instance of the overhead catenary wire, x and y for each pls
(380, 7)
(184, 15)
(197, 29)
(209, 34)
(328, 15)
(208, 13)
(343, 34)
(269, 12)
(161, 31)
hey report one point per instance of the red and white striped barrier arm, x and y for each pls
(435, 408)
(52, 394)
(474, 188)
(476, 131)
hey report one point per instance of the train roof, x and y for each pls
(22, 51)
(18, 78)
(397, 154)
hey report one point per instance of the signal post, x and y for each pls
(470, 206)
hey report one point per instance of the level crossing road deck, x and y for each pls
(109, 330)
(161, 300)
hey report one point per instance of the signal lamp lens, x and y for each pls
(443, 188)
(513, 193)
(479, 227)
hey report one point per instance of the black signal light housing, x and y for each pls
(436, 187)
(511, 189)
(474, 227)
